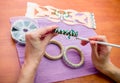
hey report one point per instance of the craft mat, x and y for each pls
(52, 71)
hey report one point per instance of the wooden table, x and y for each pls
(107, 15)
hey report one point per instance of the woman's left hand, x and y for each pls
(36, 42)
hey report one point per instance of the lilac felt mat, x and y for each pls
(52, 71)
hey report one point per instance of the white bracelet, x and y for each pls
(61, 50)
(70, 64)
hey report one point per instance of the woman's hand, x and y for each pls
(101, 59)
(36, 42)
(100, 53)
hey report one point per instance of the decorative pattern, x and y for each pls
(67, 32)
(70, 17)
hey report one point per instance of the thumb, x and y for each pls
(49, 37)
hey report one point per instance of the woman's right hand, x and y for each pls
(100, 53)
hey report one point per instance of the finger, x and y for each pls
(99, 38)
(94, 49)
(46, 30)
(47, 38)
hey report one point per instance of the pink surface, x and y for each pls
(52, 71)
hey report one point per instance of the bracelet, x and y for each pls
(70, 64)
(61, 50)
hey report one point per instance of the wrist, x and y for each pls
(27, 73)
(29, 69)
(33, 58)
(30, 64)
(103, 67)
(112, 71)
(107, 68)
